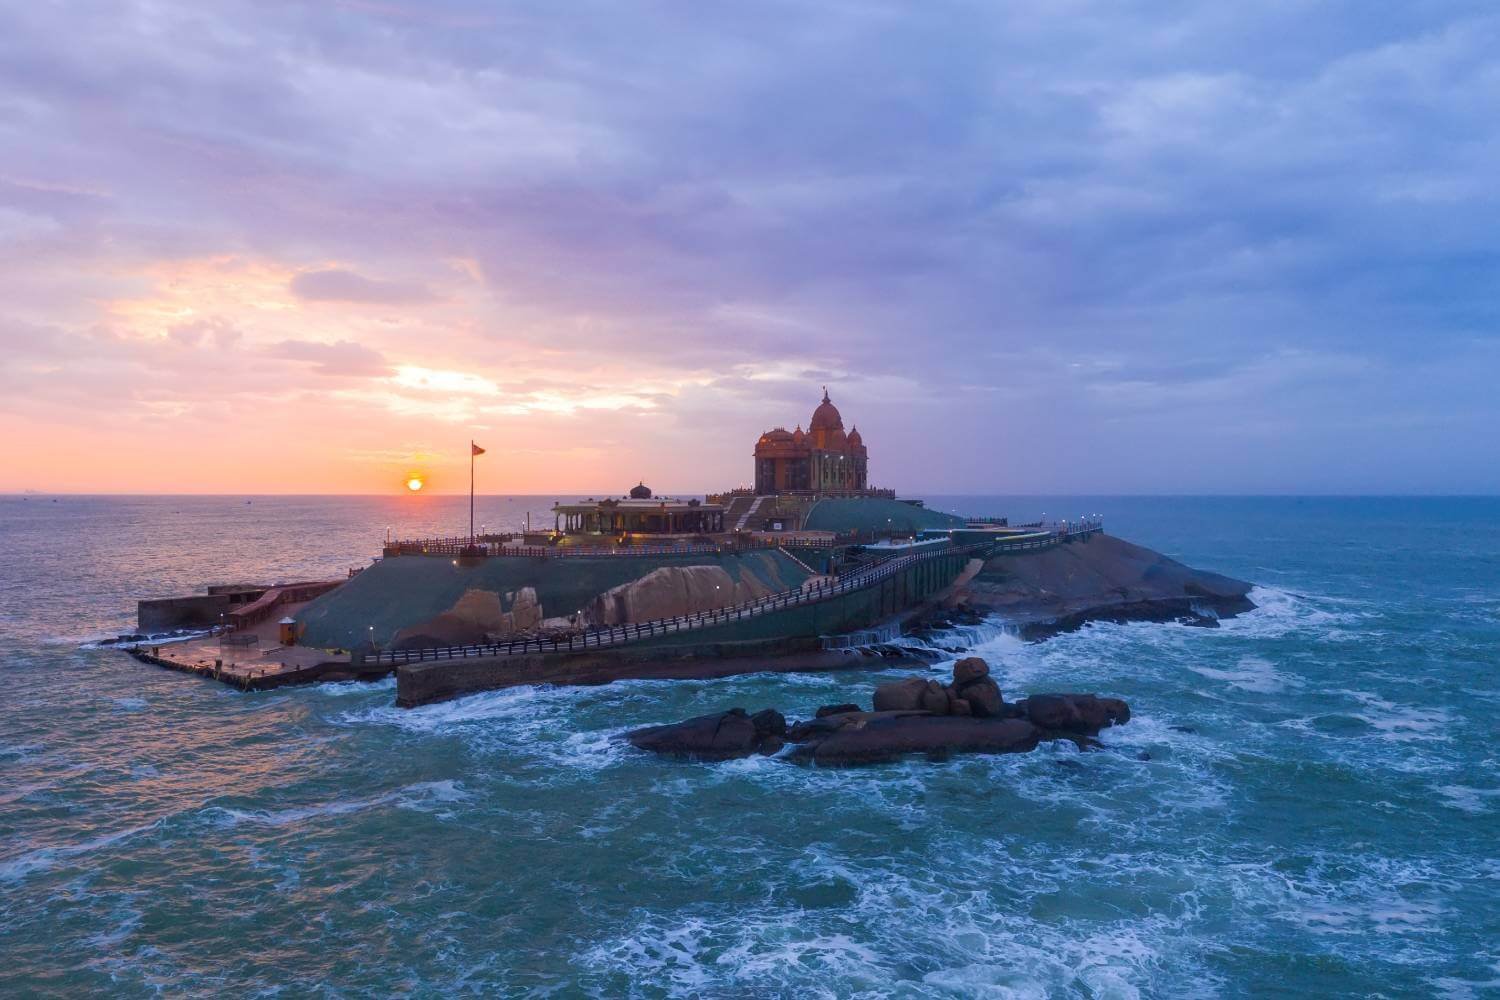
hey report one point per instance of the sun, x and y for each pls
(414, 483)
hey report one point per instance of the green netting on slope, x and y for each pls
(875, 514)
(399, 592)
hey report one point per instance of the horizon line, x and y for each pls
(690, 493)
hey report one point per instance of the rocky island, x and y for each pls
(812, 569)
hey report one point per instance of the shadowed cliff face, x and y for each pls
(1104, 578)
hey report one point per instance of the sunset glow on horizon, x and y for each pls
(341, 241)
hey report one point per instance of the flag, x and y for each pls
(476, 450)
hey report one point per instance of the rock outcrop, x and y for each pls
(481, 608)
(1080, 714)
(1101, 579)
(525, 611)
(973, 692)
(721, 736)
(474, 618)
(872, 737)
(446, 629)
(670, 591)
(912, 715)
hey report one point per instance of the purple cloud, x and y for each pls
(337, 285)
(1055, 222)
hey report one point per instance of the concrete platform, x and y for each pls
(267, 664)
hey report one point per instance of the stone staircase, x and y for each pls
(744, 518)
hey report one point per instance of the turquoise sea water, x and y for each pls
(1306, 802)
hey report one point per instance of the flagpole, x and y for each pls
(471, 491)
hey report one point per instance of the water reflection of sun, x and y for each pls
(414, 483)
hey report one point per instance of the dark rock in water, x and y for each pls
(801, 732)
(1084, 714)
(983, 696)
(1102, 578)
(935, 699)
(720, 736)
(970, 668)
(1183, 729)
(769, 722)
(915, 715)
(901, 696)
(1200, 621)
(877, 739)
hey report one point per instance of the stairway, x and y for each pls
(745, 517)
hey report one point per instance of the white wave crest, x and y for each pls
(423, 796)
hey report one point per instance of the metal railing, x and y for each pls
(498, 545)
(598, 638)
(822, 590)
(462, 547)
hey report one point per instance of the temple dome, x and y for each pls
(854, 438)
(640, 492)
(826, 417)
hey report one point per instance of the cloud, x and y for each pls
(336, 285)
(342, 357)
(1051, 220)
(215, 331)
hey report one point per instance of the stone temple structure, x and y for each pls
(822, 459)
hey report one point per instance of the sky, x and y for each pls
(1065, 247)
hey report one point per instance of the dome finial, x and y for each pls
(825, 394)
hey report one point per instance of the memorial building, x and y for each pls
(822, 459)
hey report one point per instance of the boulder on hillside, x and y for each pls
(720, 736)
(446, 629)
(671, 591)
(526, 611)
(1084, 714)
(481, 608)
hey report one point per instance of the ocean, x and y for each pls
(1306, 802)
